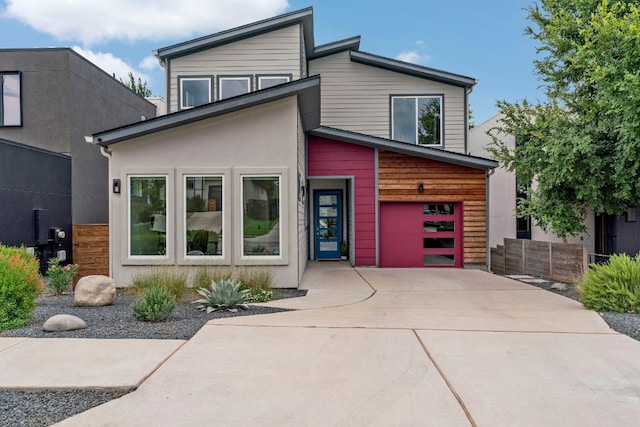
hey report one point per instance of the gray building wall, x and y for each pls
(64, 98)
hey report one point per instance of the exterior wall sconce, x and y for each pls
(116, 186)
(420, 187)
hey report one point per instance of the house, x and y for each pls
(606, 234)
(276, 151)
(51, 180)
(504, 193)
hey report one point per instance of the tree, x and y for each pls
(138, 87)
(582, 145)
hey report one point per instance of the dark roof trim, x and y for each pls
(303, 17)
(308, 91)
(412, 69)
(32, 148)
(352, 43)
(403, 147)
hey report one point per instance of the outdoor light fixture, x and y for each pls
(420, 187)
(116, 186)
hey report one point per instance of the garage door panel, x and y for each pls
(419, 234)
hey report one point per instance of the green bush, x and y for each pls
(155, 305)
(20, 285)
(60, 277)
(224, 295)
(259, 295)
(174, 279)
(614, 286)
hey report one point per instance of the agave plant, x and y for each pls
(225, 294)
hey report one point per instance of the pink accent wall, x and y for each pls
(334, 158)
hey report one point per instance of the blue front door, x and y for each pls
(328, 224)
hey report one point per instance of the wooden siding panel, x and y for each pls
(91, 249)
(356, 97)
(276, 52)
(359, 162)
(399, 175)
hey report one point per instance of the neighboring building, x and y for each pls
(275, 151)
(49, 100)
(504, 193)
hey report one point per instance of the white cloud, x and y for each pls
(91, 22)
(413, 56)
(150, 63)
(112, 65)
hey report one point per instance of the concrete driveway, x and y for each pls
(395, 347)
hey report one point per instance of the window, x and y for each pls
(229, 87)
(417, 119)
(194, 91)
(203, 217)
(147, 215)
(11, 99)
(269, 81)
(261, 232)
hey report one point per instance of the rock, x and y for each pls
(559, 286)
(63, 322)
(94, 291)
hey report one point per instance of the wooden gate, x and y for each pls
(91, 249)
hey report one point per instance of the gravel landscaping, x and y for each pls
(45, 407)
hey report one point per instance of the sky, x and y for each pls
(480, 39)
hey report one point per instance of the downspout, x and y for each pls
(487, 217)
(107, 153)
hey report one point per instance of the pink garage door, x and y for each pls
(421, 234)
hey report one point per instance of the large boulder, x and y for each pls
(94, 291)
(63, 322)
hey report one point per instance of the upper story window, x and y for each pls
(194, 91)
(269, 81)
(11, 99)
(417, 119)
(229, 87)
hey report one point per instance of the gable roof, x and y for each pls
(304, 17)
(412, 69)
(307, 90)
(404, 147)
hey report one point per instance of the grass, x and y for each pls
(257, 227)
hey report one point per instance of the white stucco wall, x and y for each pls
(261, 139)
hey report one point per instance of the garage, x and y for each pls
(421, 234)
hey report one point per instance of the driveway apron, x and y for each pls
(404, 347)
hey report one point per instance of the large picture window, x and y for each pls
(261, 226)
(194, 91)
(147, 215)
(10, 99)
(417, 119)
(229, 87)
(203, 217)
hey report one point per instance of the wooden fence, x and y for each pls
(91, 249)
(563, 262)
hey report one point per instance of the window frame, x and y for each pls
(20, 94)
(416, 98)
(259, 78)
(182, 79)
(248, 78)
(283, 221)
(125, 242)
(181, 220)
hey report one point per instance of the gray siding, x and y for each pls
(64, 98)
(276, 52)
(303, 235)
(356, 97)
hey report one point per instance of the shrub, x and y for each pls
(259, 295)
(155, 305)
(60, 277)
(614, 286)
(224, 295)
(20, 285)
(174, 279)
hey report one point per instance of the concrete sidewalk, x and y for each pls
(438, 347)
